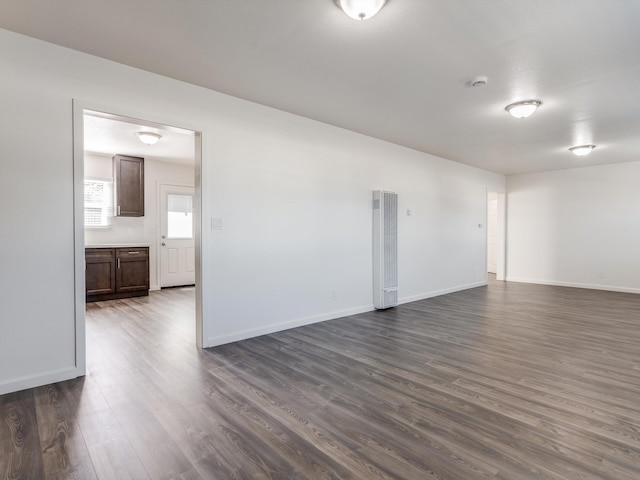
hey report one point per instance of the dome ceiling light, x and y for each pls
(523, 109)
(360, 9)
(582, 150)
(480, 81)
(148, 138)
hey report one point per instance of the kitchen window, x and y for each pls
(98, 202)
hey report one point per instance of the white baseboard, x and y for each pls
(437, 293)
(589, 286)
(278, 327)
(39, 379)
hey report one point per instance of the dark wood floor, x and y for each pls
(510, 381)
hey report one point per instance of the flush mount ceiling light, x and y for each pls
(148, 138)
(360, 9)
(476, 82)
(582, 150)
(523, 109)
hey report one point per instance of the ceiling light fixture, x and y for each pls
(523, 109)
(148, 138)
(582, 150)
(478, 82)
(360, 9)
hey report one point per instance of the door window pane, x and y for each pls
(179, 216)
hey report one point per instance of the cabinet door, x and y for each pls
(128, 173)
(100, 271)
(132, 270)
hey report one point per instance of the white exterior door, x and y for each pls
(177, 247)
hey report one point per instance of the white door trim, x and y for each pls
(78, 238)
(501, 238)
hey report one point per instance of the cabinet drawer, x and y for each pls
(135, 252)
(92, 254)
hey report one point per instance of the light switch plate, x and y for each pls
(216, 223)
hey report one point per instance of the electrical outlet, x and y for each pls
(334, 295)
(601, 275)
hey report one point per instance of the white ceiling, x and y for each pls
(116, 135)
(401, 76)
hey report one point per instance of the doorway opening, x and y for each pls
(175, 161)
(496, 243)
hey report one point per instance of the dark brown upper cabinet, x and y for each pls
(128, 173)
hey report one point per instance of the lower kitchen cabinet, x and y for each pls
(119, 272)
(100, 271)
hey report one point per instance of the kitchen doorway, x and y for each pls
(94, 129)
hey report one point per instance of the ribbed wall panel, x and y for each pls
(385, 249)
(390, 256)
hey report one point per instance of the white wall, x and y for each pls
(301, 226)
(138, 230)
(578, 227)
(294, 196)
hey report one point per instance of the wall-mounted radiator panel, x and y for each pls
(385, 249)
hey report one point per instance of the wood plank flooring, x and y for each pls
(505, 382)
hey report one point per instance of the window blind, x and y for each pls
(98, 202)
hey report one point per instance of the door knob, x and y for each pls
(163, 244)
